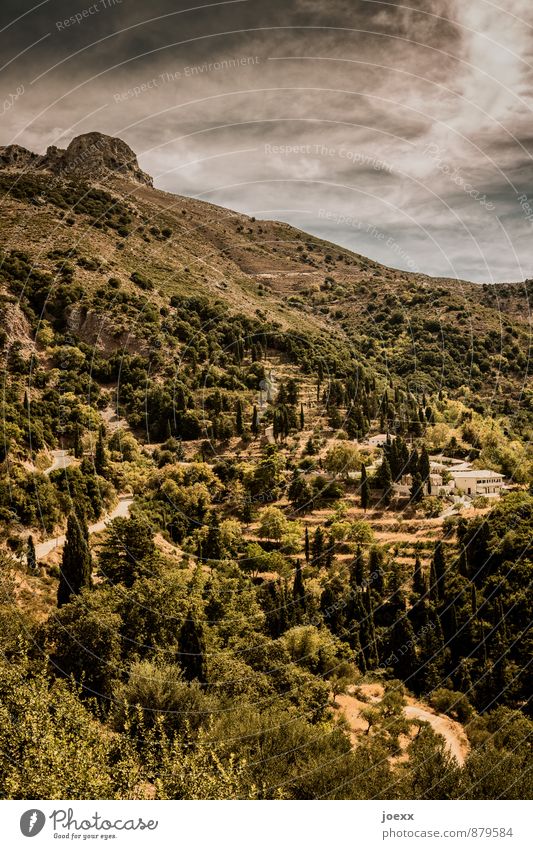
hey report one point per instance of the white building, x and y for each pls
(478, 482)
(377, 440)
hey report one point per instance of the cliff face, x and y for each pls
(93, 156)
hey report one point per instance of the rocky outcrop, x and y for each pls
(15, 156)
(93, 156)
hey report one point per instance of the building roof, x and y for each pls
(476, 473)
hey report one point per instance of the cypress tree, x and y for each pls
(317, 548)
(473, 600)
(439, 564)
(192, 649)
(368, 631)
(31, 557)
(275, 426)
(424, 468)
(419, 581)
(307, 545)
(376, 564)
(433, 583)
(358, 570)
(255, 422)
(76, 564)
(302, 417)
(238, 419)
(417, 488)
(329, 553)
(78, 448)
(213, 545)
(412, 464)
(403, 649)
(355, 642)
(433, 655)
(298, 593)
(100, 459)
(386, 481)
(365, 489)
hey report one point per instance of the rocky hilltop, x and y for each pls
(92, 156)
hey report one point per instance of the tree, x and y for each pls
(299, 493)
(340, 680)
(292, 392)
(376, 569)
(76, 563)
(298, 593)
(358, 570)
(317, 548)
(272, 523)
(192, 649)
(239, 427)
(302, 417)
(361, 532)
(78, 448)
(417, 488)
(419, 581)
(439, 569)
(385, 479)
(307, 547)
(255, 422)
(424, 468)
(365, 489)
(128, 542)
(403, 648)
(100, 459)
(31, 557)
(212, 548)
(342, 459)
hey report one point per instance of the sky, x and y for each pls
(402, 132)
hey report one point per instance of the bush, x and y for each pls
(453, 704)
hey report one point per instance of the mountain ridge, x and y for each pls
(107, 222)
(91, 156)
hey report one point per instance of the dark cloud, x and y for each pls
(413, 118)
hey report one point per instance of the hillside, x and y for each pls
(429, 332)
(235, 558)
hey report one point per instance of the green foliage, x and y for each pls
(76, 563)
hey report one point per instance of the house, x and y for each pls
(477, 482)
(377, 440)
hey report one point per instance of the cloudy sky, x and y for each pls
(403, 132)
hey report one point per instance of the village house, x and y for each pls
(377, 440)
(478, 482)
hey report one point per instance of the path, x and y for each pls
(62, 459)
(453, 732)
(113, 422)
(452, 510)
(122, 509)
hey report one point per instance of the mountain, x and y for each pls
(92, 156)
(206, 536)
(89, 214)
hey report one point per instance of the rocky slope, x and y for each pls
(92, 156)
(92, 202)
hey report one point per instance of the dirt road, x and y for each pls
(61, 459)
(453, 732)
(122, 509)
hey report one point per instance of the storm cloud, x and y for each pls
(400, 131)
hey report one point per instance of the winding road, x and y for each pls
(453, 733)
(61, 460)
(122, 509)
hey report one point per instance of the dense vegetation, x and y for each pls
(200, 646)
